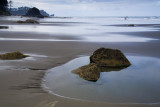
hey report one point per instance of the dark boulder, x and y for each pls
(131, 25)
(34, 12)
(105, 57)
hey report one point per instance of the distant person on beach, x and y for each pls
(125, 18)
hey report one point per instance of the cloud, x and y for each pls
(95, 7)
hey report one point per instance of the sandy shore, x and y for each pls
(22, 87)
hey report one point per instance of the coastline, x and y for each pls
(23, 87)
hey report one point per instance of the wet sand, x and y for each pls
(22, 88)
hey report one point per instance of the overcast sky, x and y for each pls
(95, 7)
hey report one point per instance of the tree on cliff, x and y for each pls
(10, 4)
(3, 5)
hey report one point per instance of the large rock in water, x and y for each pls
(12, 56)
(89, 72)
(109, 58)
(34, 12)
(102, 60)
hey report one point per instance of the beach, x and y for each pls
(54, 42)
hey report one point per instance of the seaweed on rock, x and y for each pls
(12, 56)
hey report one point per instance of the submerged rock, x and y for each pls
(89, 72)
(114, 58)
(12, 56)
(28, 21)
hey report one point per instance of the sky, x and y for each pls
(94, 7)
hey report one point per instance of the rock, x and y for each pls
(52, 15)
(28, 21)
(12, 56)
(102, 60)
(113, 58)
(4, 27)
(34, 12)
(31, 21)
(89, 72)
(19, 21)
(131, 25)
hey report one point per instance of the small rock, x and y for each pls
(31, 21)
(12, 56)
(89, 72)
(4, 27)
(28, 21)
(131, 25)
(19, 21)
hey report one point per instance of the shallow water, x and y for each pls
(113, 38)
(139, 83)
(88, 29)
